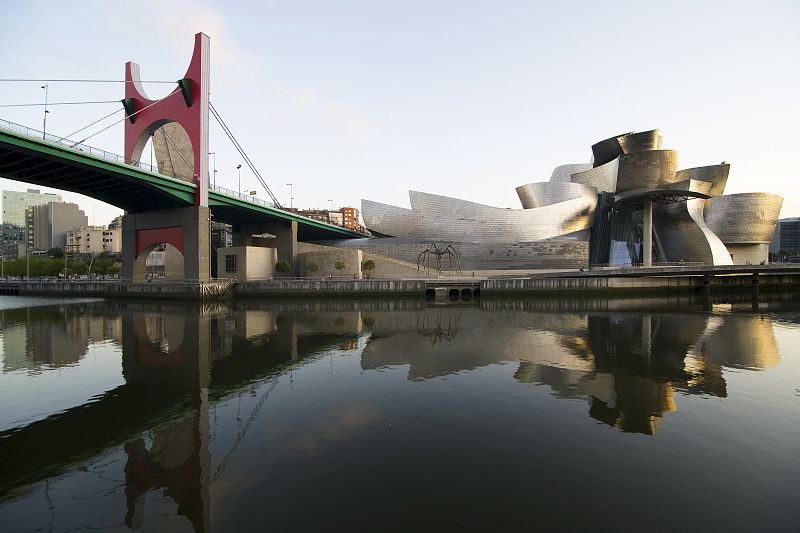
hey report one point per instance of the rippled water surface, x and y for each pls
(630, 415)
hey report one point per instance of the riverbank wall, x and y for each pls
(114, 289)
(605, 285)
(590, 284)
(356, 288)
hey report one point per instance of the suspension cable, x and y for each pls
(241, 151)
(177, 149)
(169, 153)
(92, 124)
(61, 103)
(126, 117)
(81, 80)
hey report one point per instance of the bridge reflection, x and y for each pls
(627, 361)
(176, 360)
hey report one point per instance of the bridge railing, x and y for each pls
(85, 148)
(116, 158)
(241, 196)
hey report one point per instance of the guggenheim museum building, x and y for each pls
(630, 206)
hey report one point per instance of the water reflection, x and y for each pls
(627, 364)
(53, 336)
(627, 360)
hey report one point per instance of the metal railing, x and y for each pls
(79, 147)
(241, 196)
(116, 158)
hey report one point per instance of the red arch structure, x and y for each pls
(187, 228)
(187, 105)
(145, 238)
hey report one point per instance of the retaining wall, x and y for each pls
(158, 290)
(350, 288)
(491, 287)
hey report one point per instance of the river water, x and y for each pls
(623, 415)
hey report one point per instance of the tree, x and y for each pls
(339, 265)
(102, 265)
(55, 252)
(368, 265)
(282, 267)
(312, 268)
(78, 267)
(53, 267)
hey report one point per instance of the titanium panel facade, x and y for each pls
(627, 143)
(717, 175)
(534, 195)
(603, 206)
(745, 218)
(652, 170)
(684, 235)
(603, 178)
(640, 142)
(452, 220)
(389, 220)
(563, 173)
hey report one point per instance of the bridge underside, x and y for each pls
(30, 160)
(60, 168)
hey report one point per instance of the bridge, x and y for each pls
(159, 208)
(28, 155)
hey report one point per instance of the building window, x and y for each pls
(230, 263)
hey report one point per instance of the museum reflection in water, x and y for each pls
(626, 360)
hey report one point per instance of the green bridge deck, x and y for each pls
(55, 163)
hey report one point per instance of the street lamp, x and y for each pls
(331, 205)
(239, 168)
(214, 176)
(291, 196)
(44, 125)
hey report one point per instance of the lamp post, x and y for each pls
(239, 168)
(44, 125)
(291, 196)
(214, 175)
(331, 204)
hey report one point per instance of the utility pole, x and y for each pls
(214, 175)
(291, 196)
(44, 125)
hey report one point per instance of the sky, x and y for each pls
(367, 99)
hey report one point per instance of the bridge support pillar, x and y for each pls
(287, 243)
(285, 239)
(188, 229)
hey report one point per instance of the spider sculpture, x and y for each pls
(425, 257)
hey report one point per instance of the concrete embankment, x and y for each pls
(116, 289)
(334, 288)
(590, 284)
(644, 285)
